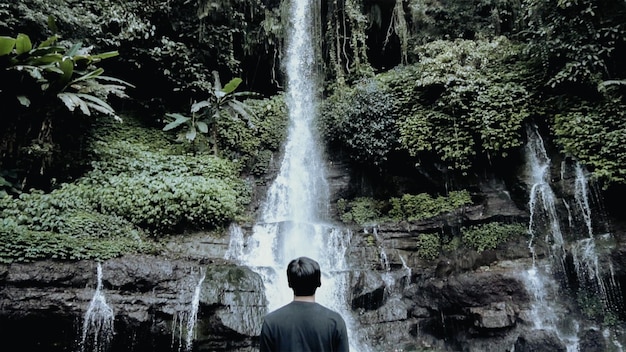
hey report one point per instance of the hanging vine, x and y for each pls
(398, 26)
(345, 40)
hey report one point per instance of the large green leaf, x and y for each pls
(23, 44)
(106, 55)
(48, 42)
(191, 134)
(46, 59)
(67, 66)
(195, 107)
(6, 45)
(179, 120)
(202, 127)
(91, 75)
(232, 85)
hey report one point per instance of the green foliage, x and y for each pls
(159, 191)
(593, 307)
(360, 210)
(490, 235)
(254, 147)
(594, 133)
(221, 104)
(362, 120)
(61, 225)
(138, 188)
(409, 207)
(428, 246)
(69, 74)
(472, 102)
(345, 31)
(422, 206)
(576, 40)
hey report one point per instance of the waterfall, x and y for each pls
(184, 324)
(542, 205)
(293, 219)
(585, 252)
(98, 321)
(546, 311)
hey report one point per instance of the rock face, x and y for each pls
(462, 301)
(151, 299)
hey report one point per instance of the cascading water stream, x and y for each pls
(98, 321)
(543, 214)
(545, 311)
(293, 220)
(184, 324)
(585, 252)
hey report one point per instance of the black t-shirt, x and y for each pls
(304, 327)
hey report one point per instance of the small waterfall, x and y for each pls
(582, 198)
(293, 217)
(586, 254)
(98, 322)
(184, 324)
(542, 205)
(546, 312)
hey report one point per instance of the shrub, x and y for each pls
(428, 246)
(361, 211)
(162, 191)
(61, 225)
(489, 236)
(594, 134)
(362, 120)
(422, 206)
(364, 210)
(472, 102)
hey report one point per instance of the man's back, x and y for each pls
(304, 326)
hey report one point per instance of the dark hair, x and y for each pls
(304, 276)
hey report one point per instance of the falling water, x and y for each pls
(292, 220)
(185, 322)
(545, 310)
(585, 252)
(582, 198)
(543, 213)
(98, 322)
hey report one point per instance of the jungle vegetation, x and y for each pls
(87, 170)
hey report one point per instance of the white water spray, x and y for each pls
(543, 213)
(546, 312)
(293, 218)
(184, 324)
(98, 322)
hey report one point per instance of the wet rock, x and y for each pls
(369, 290)
(495, 316)
(151, 298)
(539, 341)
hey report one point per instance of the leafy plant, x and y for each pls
(157, 189)
(594, 134)
(422, 206)
(41, 86)
(490, 235)
(576, 41)
(222, 103)
(362, 121)
(364, 210)
(68, 74)
(360, 210)
(472, 102)
(428, 246)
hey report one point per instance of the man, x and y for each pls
(304, 325)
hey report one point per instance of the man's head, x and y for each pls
(304, 276)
